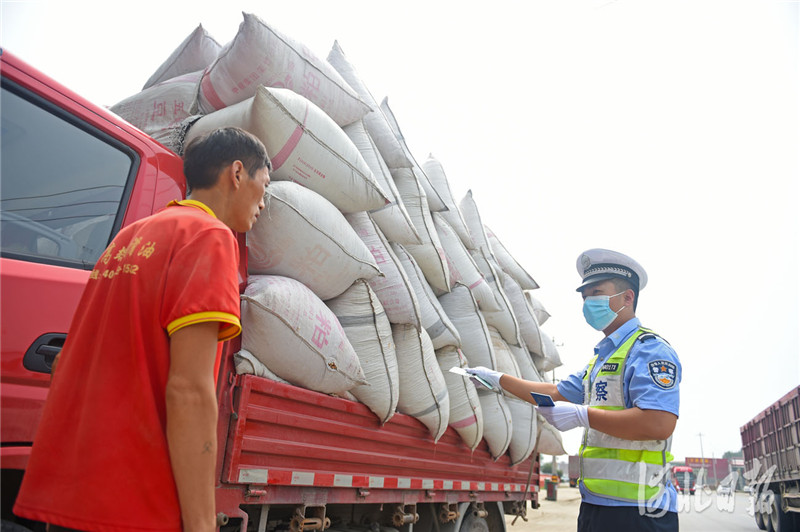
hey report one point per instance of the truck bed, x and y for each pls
(284, 440)
(773, 437)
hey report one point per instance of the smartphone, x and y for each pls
(542, 399)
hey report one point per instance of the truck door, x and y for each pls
(62, 183)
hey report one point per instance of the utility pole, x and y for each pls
(702, 457)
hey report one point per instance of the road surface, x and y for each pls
(701, 512)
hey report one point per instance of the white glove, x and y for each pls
(566, 416)
(490, 376)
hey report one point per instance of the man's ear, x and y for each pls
(236, 173)
(630, 297)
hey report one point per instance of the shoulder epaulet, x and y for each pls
(650, 336)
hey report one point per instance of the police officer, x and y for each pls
(626, 400)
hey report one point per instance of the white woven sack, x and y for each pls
(469, 210)
(378, 127)
(435, 202)
(550, 441)
(466, 417)
(196, 52)
(260, 55)
(497, 423)
(365, 323)
(392, 218)
(506, 363)
(296, 336)
(508, 262)
(528, 327)
(434, 319)
(538, 309)
(525, 429)
(429, 254)
(435, 172)
(393, 288)
(527, 369)
(158, 109)
(503, 320)
(550, 358)
(302, 236)
(476, 343)
(423, 392)
(305, 145)
(247, 363)
(461, 262)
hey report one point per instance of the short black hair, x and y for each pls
(622, 285)
(205, 156)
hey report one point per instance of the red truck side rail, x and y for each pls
(773, 437)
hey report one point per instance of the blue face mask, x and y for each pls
(597, 311)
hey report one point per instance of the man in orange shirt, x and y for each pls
(128, 434)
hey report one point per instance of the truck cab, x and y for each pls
(73, 174)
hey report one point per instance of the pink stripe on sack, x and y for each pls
(464, 422)
(209, 92)
(476, 283)
(290, 145)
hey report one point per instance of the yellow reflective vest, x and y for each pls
(625, 470)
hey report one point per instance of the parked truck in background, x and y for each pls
(74, 174)
(684, 478)
(771, 443)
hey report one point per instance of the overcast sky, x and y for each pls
(667, 130)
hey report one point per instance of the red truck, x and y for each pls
(771, 444)
(73, 174)
(684, 479)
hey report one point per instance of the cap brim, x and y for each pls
(597, 279)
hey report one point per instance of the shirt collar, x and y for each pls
(192, 203)
(623, 332)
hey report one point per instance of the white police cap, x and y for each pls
(595, 265)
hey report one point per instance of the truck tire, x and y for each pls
(780, 521)
(761, 522)
(473, 523)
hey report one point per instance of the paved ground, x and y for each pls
(560, 515)
(699, 513)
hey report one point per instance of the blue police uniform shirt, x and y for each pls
(644, 387)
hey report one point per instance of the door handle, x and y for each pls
(40, 355)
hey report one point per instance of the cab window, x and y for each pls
(61, 183)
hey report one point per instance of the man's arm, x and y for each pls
(633, 423)
(522, 388)
(192, 421)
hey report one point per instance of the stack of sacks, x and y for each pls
(466, 416)
(548, 439)
(291, 331)
(392, 218)
(434, 319)
(415, 190)
(462, 266)
(302, 251)
(363, 266)
(301, 235)
(452, 214)
(361, 315)
(507, 276)
(523, 413)
(194, 54)
(167, 98)
(261, 55)
(393, 287)
(305, 144)
(423, 391)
